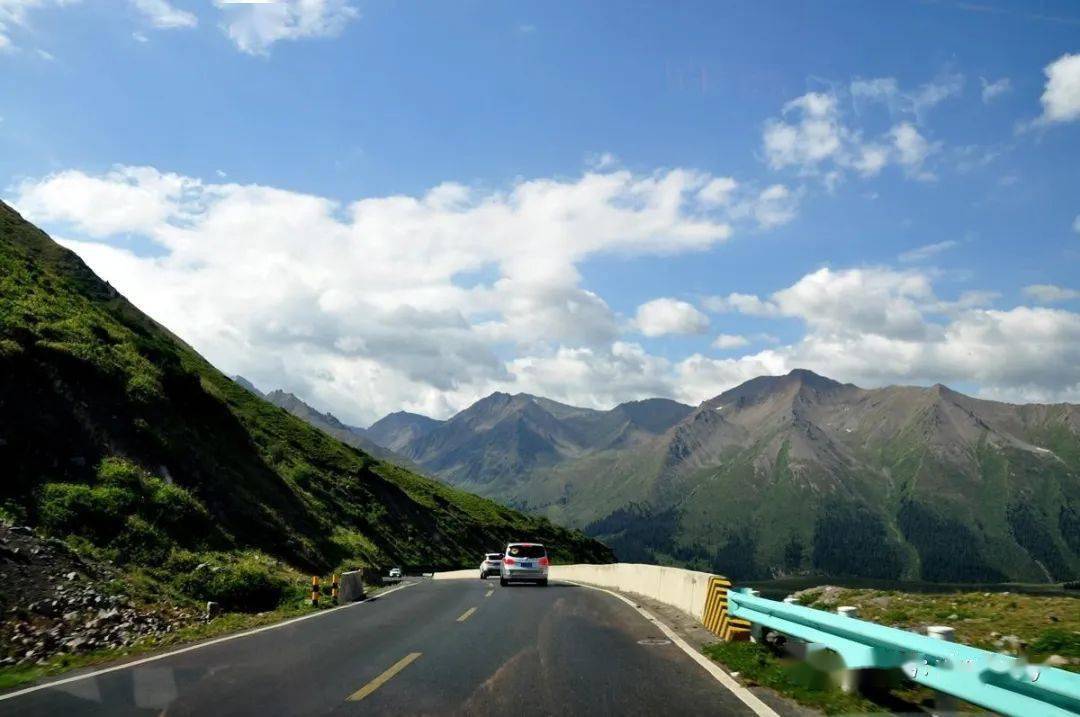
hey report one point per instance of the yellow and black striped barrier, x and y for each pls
(716, 618)
(314, 591)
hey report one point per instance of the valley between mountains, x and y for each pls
(781, 476)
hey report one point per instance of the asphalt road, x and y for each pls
(436, 647)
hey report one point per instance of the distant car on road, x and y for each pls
(526, 562)
(491, 565)
(395, 572)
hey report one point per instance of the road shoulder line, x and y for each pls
(189, 648)
(746, 696)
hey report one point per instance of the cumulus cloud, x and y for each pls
(912, 148)
(1061, 96)
(878, 326)
(993, 90)
(256, 26)
(161, 14)
(1049, 293)
(729, 341)
(362, 309)
(927, 251)
(814, 137)
(717, 191)
(660, 317)
(361, 305)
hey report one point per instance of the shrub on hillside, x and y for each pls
(97, 513)
(245, 586)
(134, 516)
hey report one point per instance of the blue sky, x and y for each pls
(409, 205)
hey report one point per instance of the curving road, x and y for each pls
(430, 647)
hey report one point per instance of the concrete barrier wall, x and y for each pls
(684, 589)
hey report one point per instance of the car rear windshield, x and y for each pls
(494, 556)
(526, 551)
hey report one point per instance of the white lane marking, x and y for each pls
(189, 648)
(749, 698)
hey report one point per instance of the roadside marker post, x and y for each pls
(314, 591)
(334, 589)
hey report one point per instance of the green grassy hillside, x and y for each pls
(115, 432)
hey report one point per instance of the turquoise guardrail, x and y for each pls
(996, 682)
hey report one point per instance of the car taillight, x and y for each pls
(544, 561)
(509, 561)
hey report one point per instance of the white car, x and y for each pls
(491, 565)
(395, 572)
(526, 562)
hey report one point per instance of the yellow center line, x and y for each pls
(465, 615)
(490, 592)
(383, 678)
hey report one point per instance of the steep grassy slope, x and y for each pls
(114, 430)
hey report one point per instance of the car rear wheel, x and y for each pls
(483, 576)
(542, 583)
(504, 582)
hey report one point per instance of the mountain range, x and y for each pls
(328, 423)
(783, 475)
(119, 437)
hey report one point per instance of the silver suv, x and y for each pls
(491, 565)
(524, 561)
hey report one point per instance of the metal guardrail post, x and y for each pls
(848, 679)
(943, 702)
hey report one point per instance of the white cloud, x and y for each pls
(718, 191)
(729, 341)
(871, 159)
(359, 306)
(912, 149)
(878, 326)
(813, 136)
(927, 250)
(161, 14)
(775, 205)
(602, 160)
(993, 90)
(255, 27)
(887, 91)
(741, 303)
(1048, 293)
(1076, 224)
(660, 317)
(126, 199)
(1061, 97)
(14, 13)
